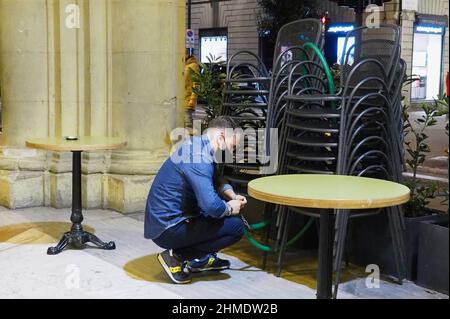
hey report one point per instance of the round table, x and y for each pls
(77, 237)
(328, 192)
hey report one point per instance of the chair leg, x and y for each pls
(268, 214)
(396, 245)
(397, 236)
(401, 232)
(283, 244)
(340, 240)
(401, 239)
(317, 223)
(337, 223)
(281, 216)
(346, 256)
(346, 248)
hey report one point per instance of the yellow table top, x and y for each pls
(328, 191)
(84, 143)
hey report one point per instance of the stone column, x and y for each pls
(408, 19)
(146, 83)
(88, 67)
(25, 100)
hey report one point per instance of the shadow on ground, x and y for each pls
(36, 233)
(299, 266)
(147, 268)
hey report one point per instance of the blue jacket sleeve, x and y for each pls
(200, 177)
(223, 186)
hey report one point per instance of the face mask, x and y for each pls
(221, 143)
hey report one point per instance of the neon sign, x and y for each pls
(340, 28)
(429, 29)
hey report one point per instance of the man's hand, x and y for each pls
(235, 204)
(242, 199)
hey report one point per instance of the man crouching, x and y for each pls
(190, 214)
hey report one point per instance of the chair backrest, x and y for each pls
(381, 44)
(296, 34)
(245, 64)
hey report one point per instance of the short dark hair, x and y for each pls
(223, 122)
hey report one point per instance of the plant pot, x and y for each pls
(433, 254)
(370, 242)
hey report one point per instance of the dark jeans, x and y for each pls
(200, 236)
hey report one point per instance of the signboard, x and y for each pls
(340, 28)
(190, 39)
(213, 44)
(412, 5)
(432, 20)
(215, 47)
(433, 29)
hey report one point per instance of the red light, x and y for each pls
(325, 19)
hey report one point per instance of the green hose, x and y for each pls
(326, 67)
(266, 248)
(259, 225)
(255, 243)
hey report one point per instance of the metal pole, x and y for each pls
(325, 271)
(77, 216)
(189, 10)
(359, 12)
(400, 12)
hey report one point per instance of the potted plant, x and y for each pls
(416, 210)
(432, 256)
(433, 239)
(375, 229)
(209, 87)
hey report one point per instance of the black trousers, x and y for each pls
(200, 236)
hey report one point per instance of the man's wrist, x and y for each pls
(229, 210)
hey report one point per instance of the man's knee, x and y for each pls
(236, 226)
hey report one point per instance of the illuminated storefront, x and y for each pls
(213, 44)
(427, 64)
(335, 40)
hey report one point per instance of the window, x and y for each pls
(213, 42)
(340, 49)
(335, 40)
(427, 62)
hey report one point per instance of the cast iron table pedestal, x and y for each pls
(77, 237)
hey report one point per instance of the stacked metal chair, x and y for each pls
(355, 131)
(289, 49)
(252, 96)
(246, 101)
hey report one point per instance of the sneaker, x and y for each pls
(209, 262)
(174, 268)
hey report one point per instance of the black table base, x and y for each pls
(77, 237)
(325, 271)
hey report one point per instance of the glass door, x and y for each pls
(427, 62)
